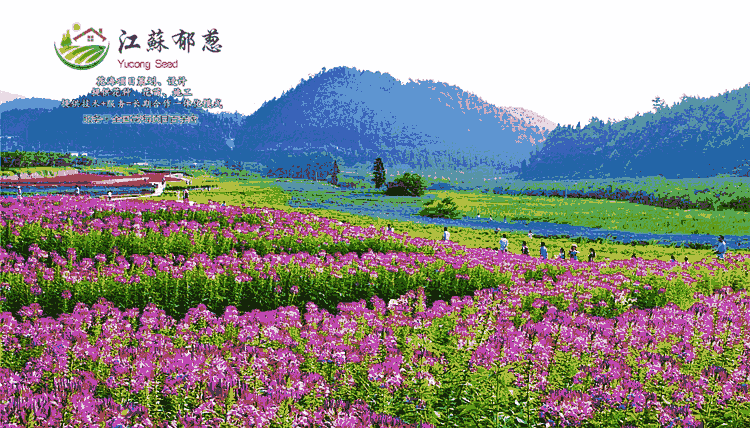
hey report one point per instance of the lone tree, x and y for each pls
(379, 172)
(659, 103)
(407, 185)
(334, 175)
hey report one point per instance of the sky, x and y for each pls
(565, 60)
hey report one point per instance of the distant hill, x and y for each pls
(61, 129)
(10, 101)
(697, 137)
(25, 103)
(7, 96)
(357, 116)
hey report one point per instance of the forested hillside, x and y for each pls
(697, 137)
(356, 116)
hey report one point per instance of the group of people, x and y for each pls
(504, 246)
(573, 253)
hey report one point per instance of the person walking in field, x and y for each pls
(504, 244)
(389, 229)
(186, 196)
(524, 248)
(561, 256)
(531, 235)
(673, 260)
(722, 248)
(573, 253)
(78, 190)
(109, 195)
(592, 254)
(446, 234)
(543, 251)
(18, 193)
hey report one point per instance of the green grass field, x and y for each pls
(592, 213)
(615, 215)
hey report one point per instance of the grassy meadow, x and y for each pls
(605, 214)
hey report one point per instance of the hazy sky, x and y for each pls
(565, 60)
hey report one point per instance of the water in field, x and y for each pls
(408, 211)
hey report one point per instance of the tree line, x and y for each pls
(24, 159)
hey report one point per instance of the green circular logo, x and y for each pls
(83, 51)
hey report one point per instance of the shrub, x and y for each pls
(444, 209)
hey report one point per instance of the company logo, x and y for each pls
(85, 50)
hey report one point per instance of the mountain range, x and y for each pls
(355, 116)
(348, 115)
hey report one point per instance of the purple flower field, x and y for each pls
(137, 314)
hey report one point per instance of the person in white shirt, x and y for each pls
(446, 234)
(722, 248)
(504, 244)
(531, 235)
(390, 228)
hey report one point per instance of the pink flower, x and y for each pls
(34, 310)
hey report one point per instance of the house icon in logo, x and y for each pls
(90, 36)
(86, 50)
